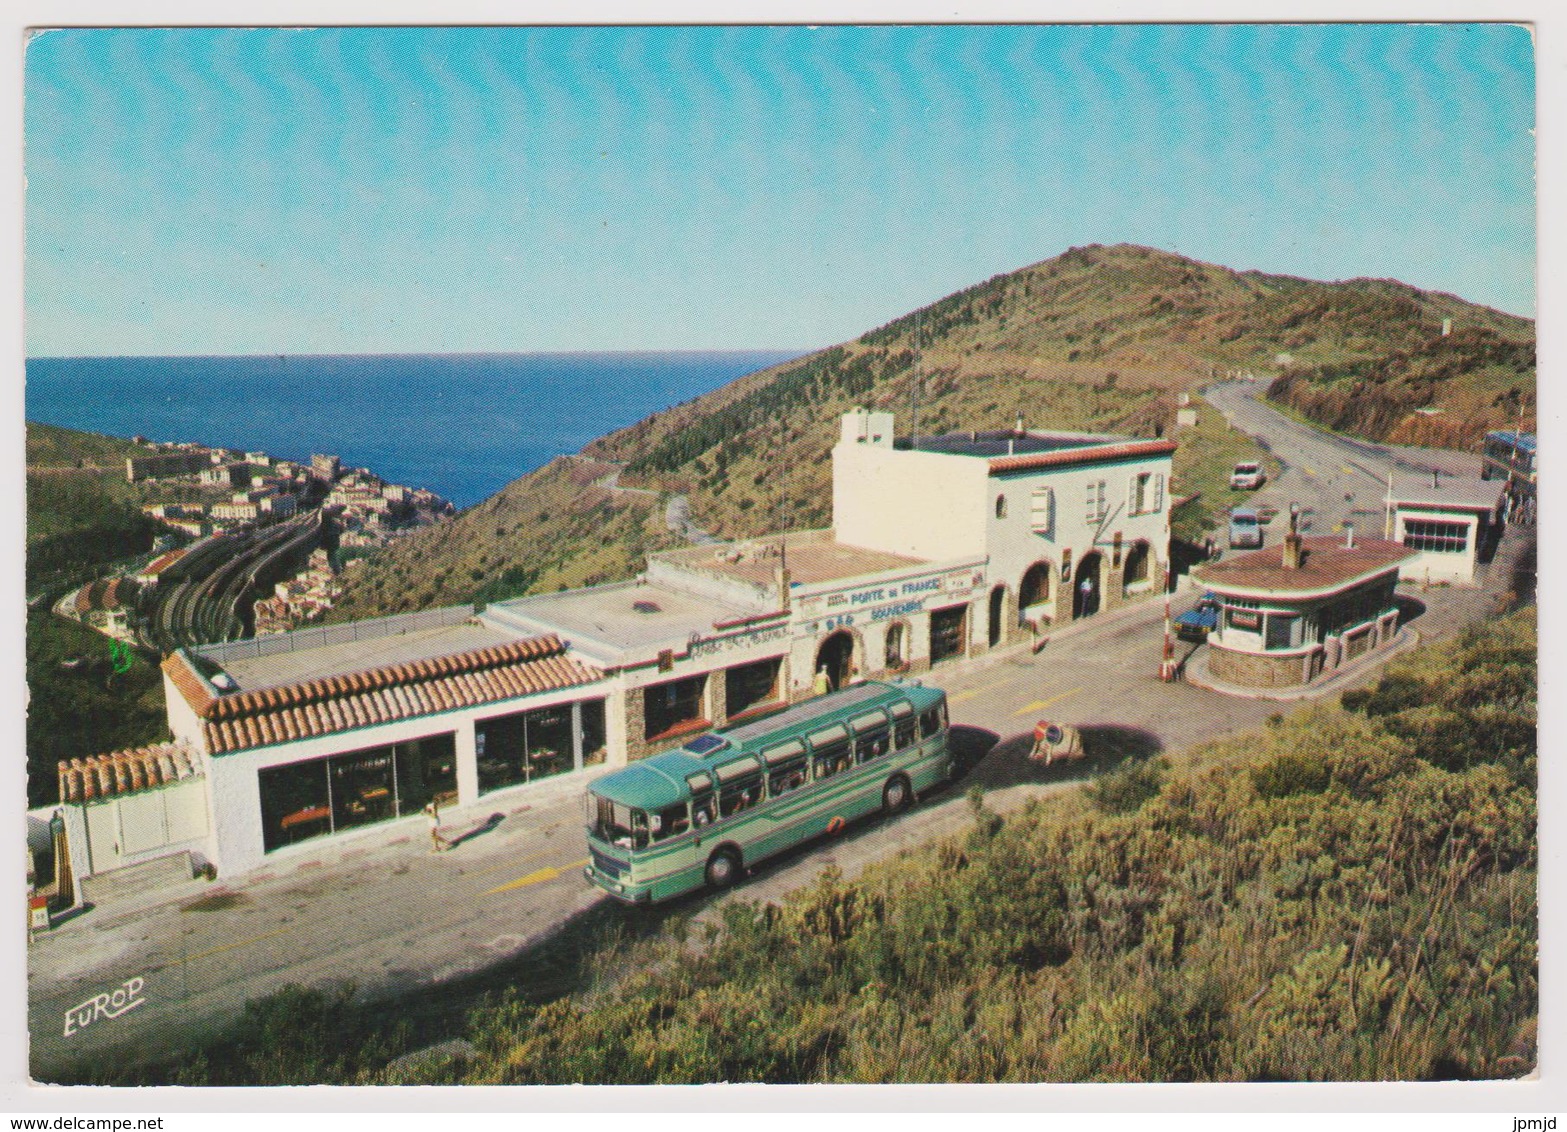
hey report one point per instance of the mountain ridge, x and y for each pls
(1098, 338)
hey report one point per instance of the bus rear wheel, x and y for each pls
(723, 868)
(897, 795)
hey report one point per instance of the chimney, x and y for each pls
(1436, 478)
(1349, 536)
(1020, 424)
(781, 577)
(1447, 327)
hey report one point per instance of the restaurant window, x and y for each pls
(310, 799)
(520, 748)
(363, 788)
(747, 685)
(1443, 538)
(672, 705)
(426, 771)
(295, 804)
(594, 747)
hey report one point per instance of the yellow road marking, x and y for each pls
(1348, 471)
(538, 876)
(236, 943)
(1039, 705)
(959, 697)
(1307, 470)
(510, 863)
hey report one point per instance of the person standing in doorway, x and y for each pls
(432, 814)
(822, 684)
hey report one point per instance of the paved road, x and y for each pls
(1335, 478)
(433, 930)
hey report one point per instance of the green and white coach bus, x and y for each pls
(727, 799)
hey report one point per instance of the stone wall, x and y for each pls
(1256, 670)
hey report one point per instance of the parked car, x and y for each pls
(1247, 477)
(1245, 528)
(1200, 620)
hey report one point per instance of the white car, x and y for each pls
(1247, 477)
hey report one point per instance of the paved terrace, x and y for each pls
(312, 654)
(812, 558)
(608, 621)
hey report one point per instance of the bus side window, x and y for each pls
(930, 722)
(741, 794)
(903, 733)
(702, 811)
(671, 821)
(871, 745)
(638, 829)
(831, 759)
(789, 776)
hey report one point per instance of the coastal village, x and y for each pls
(220, 502)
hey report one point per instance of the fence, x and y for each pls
(321, 635)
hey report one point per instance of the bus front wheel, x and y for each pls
(897, 795)
(723, 868)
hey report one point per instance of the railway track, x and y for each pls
(205, 597)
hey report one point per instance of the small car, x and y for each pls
(1247, 477)
(1200, 620)
(1245, 528)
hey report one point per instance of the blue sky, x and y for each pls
(469, 189)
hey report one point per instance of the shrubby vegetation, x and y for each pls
(1478, 379)
(78, 704)
(1348, 894)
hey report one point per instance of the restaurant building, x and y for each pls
(942, 549)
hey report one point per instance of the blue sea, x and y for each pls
(461, 425)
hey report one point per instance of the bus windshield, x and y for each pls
(617, 824)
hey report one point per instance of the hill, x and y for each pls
(79, 504)
(1098, 338)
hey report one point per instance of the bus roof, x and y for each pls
(660, 780)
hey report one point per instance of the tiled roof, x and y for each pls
(1097, 454)
(282, 714)
(124, 772)
(165, 562)
(1329, 566)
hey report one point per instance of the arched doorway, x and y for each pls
(836, 658)
(1135, 575)
(1085, 585)
(897, 647)
(1033, 594)
(998, 604)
